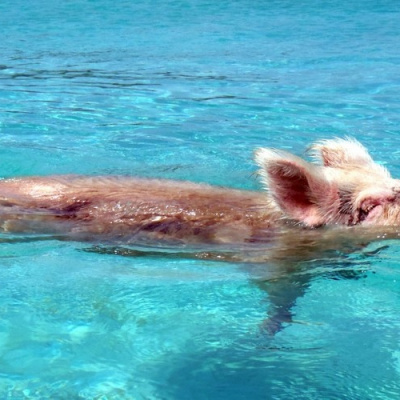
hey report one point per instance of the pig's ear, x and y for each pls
(345, 153)
(297, 187)
(341, 152)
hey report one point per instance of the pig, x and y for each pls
(342, 185)
(308, 210)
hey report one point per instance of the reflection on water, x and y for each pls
(115, 321)
(285, 269)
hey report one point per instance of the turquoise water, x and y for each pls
(187, 90)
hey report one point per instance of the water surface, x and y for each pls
(187, 90)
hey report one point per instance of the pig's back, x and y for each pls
(122, 205)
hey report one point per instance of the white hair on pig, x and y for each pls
(345, 153)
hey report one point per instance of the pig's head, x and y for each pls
(345, 186)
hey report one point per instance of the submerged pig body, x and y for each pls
(342, 187)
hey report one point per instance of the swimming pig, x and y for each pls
(346, 187)
(343, 186)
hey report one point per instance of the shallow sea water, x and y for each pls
(187, 90)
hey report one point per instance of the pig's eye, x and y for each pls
(364, 211)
